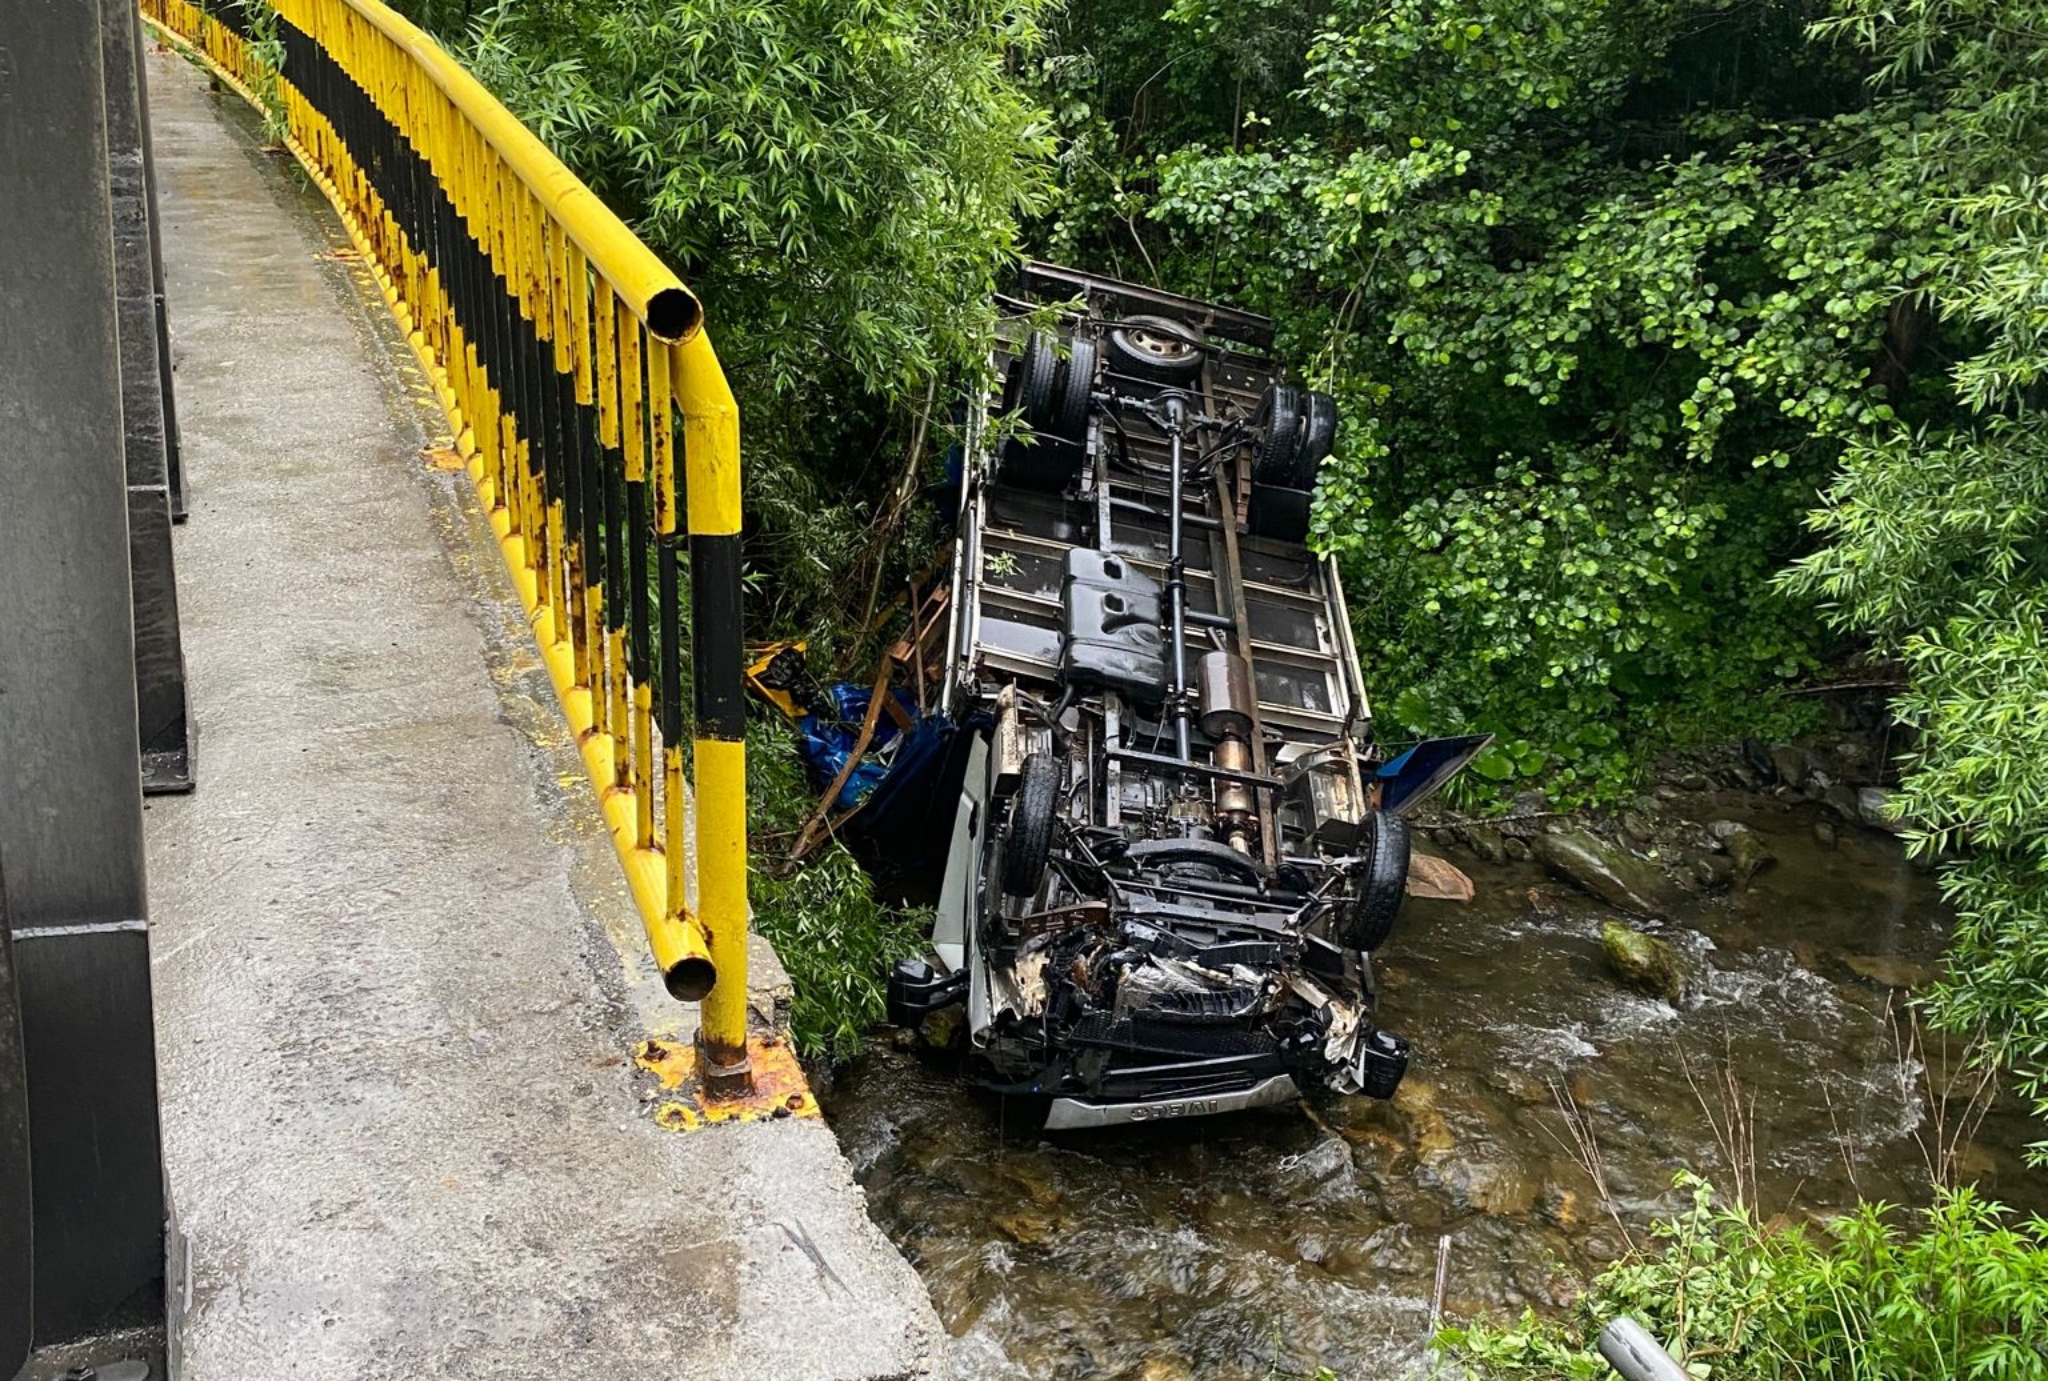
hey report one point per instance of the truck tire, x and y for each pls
(1318, 434)
(1367, 919)
(1039, 460)
(1029, 839)
(1077, 384)
(1037, 381)
(1157, 348)
(1276, 450)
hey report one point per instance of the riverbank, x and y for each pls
(1276, 1244)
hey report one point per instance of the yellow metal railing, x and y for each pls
(563, 352)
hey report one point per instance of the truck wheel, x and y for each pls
(1367, 919)
(1029, 838)
(1156, 347)
(1276, 453)
(1039, 460)
(1037, 382)
(1318, 433)
(1077, 383)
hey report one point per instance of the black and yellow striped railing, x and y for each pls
(564, 353)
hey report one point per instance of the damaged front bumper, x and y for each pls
(1076, 1114)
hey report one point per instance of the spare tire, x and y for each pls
(1276, 448)
(1366, 918)
(1028, 841)
(1156, 347)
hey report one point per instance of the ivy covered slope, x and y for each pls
(1681, 346)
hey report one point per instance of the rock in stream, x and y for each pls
(1607, 871)
(1643, 962)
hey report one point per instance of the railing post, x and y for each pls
(711, 438)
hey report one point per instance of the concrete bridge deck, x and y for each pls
(398, 976)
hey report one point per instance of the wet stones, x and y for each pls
(940, 1027)
(1714, 872)
(1790, 764)
(1489, 1180)
(1027, 1226)
(1643, 962)
(1824, 834)
(1429, 1133)
(1874, 808)
(1606, 871)
(1868, 806)
(1842, 801)
(1890, 971)
(1746, 852)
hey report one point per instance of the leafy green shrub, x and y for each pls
(1601, 309)
(1936, 534)
(1957, 1290)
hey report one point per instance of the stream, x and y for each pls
(1269, 1244)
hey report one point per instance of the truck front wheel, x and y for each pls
(1367, 919)
(1028, 841)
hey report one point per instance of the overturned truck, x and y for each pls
(1175, 848)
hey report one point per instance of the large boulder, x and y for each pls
(1437, 879)
(1643, 962)
(1607, 871)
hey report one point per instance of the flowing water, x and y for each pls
(1268, 1244)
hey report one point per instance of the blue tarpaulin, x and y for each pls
(824, 746)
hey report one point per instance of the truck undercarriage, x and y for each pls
(1175, 848)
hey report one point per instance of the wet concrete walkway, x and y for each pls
(397, 972)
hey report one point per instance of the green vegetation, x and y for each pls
(1688, 350)
(1957, 1290)
(843, 178)
(834, 937)
(1935, 531)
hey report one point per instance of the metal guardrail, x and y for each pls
(564, 353)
